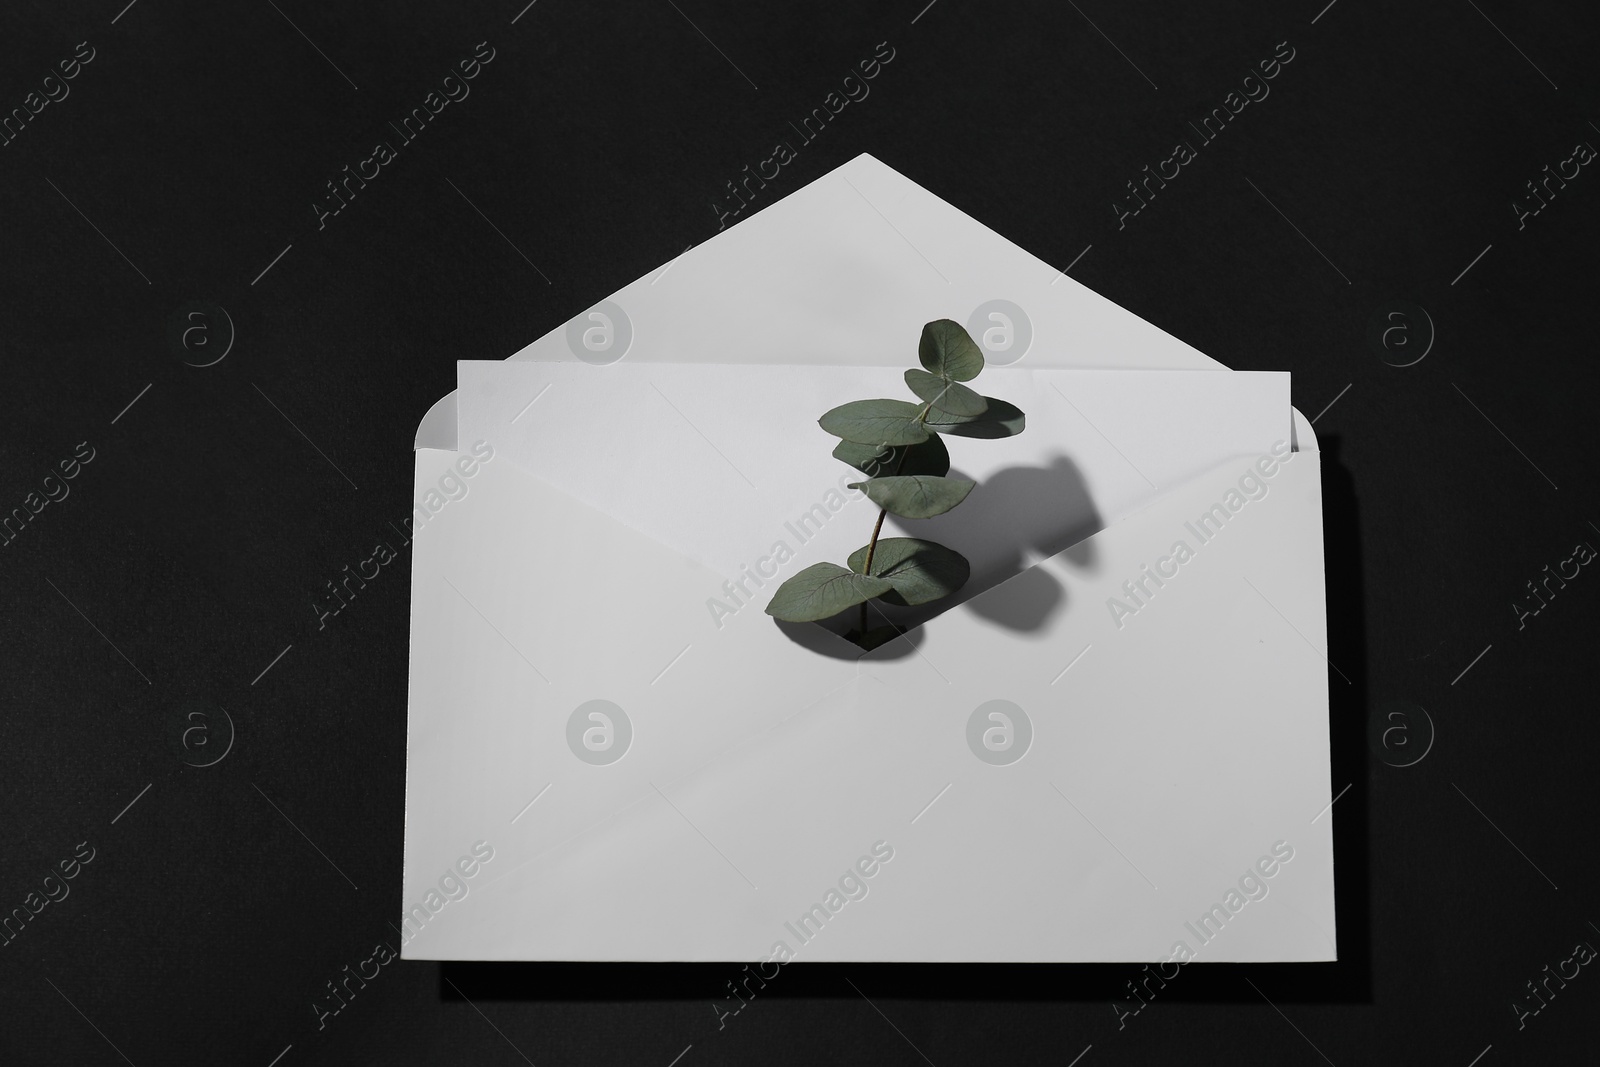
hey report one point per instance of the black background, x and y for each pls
(185, 558)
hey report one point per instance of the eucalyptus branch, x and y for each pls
(903, 571)
(877, 527)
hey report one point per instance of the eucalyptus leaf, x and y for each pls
(945, 395)
(898, 446)
(915, 496)
(822, 591)
(929, 457)
(876, 422)
(1002, 419)
(949, 351)
(920, 571)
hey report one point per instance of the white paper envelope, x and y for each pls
(1076, 763)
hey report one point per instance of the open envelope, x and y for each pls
(1110, 747)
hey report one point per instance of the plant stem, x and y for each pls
(872, 545)
(866, 566)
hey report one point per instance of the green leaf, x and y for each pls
(1003, 419)
(930, 457)
(915, 496)
(823, 590)
(949, 351)
(876, 422)
(945, 395)
(920, 571)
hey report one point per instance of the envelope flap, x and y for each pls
(829, 275)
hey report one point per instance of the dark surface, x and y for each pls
(197, 140)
